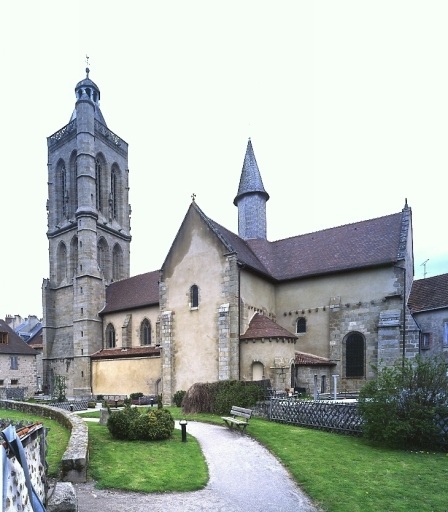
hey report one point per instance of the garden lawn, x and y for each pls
(148, 466)
(345, 474)
(57, 437)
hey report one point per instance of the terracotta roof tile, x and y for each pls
(304, 359)
(429, 293)
(263, 327)
(125, 353)
(135, 292)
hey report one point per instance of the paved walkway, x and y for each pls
(244, 476)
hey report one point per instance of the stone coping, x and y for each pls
(75, 459)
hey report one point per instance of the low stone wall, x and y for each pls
(76, 456)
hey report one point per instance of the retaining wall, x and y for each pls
(76, 456)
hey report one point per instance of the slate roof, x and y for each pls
(135, 292)
(37, 341)
(15, 343)
(125, 353)
(250, 180)
(263, 327)
(429, 293)
(304, 359)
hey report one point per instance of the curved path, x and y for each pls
(244, 476)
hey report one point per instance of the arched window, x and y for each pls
(103, 258)
(145, 332)
(99, 205)
(355, 355)
(110, 336)
(74, 256)
(62, 263)
(301, 325)
(194, 296)
(113, 203)
(73, 179)
(117, 263)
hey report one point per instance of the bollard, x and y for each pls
(183, 426)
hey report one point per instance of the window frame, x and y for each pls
(425, 340)
(194, 296)
(302, 321)
(110, 330)
(145, 327)
(355, 356)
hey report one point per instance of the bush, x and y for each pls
(218, 397)
(406, 406)
(120, 423)
(178, 397)
(154, 425)
(235, 392)
(136, 396)
(131, 424)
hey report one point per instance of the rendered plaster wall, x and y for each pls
(199, 344)
(142, 376)
(315, 299)
(127, 326)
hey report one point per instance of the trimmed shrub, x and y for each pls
(178, 397)
(120, 423)
(136, 396)
(406, 406)
(218, 397)
(131, 424)
(156, 424)
(235, 392)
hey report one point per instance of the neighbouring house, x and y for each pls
(18, 370)
(223, 305)
(428, 304)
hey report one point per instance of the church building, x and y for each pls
(298, 311)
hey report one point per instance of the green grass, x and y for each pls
(57, 439)
(345, 474)
(158, 466)
(340, 473)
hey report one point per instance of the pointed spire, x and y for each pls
(250, 180)
(251, 199)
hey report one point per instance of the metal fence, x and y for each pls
(324, 415)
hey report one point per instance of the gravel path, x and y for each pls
(244, 476)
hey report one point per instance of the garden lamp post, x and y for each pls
(183, 426)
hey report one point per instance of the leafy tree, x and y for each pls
(406, 406)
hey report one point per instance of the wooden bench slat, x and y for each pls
(238, 413)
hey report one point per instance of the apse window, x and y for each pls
(194, 297)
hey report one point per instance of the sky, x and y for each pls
(346, 104)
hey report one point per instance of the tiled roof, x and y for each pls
(429, 293)
(304, 359)
(15, 343)
(362, 244)
(263, 327)
(125, 353)
(135, 292)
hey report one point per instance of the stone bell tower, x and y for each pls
(88, 230)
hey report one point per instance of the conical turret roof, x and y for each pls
(250, 180)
